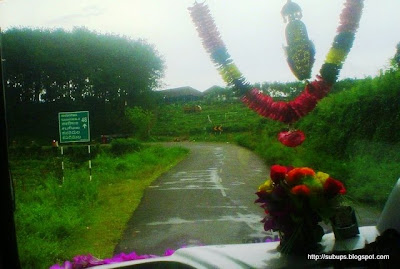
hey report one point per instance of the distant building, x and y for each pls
(181, 94)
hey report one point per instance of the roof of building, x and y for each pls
(214, 89)
(181, 91)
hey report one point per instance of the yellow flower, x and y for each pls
(322, 177)
(230, 72)
(336, 56)
(266, 187)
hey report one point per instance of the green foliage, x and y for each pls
(32, 151)
(217, 94)
(141, 120)
(104, 67)
(123, 146)
(54, 219)
(395, 62)
(79, 154)
(48, 215)
(373, 166)
(367, 111)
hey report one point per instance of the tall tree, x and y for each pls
(82, 69)
(48, 65)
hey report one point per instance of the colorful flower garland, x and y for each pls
(213, 44)
(286, 112)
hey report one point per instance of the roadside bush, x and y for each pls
(246, 140)
(122, 146)
(79, 154)
(141, 120)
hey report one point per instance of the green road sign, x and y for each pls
(74, 126)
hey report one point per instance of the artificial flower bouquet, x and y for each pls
(295, 201)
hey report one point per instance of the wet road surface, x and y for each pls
(206, 199)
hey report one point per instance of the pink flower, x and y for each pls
(169, 252)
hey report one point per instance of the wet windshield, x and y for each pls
(148, 126)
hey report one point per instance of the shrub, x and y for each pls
(123, 146)
(142, 120)
(76, 154)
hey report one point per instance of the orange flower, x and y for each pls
(295, 175)
(300, 190)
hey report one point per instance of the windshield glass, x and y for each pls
(148, 126)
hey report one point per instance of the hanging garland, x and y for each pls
(286, 112)
(213, 44)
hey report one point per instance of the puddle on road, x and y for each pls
(223, 206)
(207, 179)
(219, 154)
(249, 219)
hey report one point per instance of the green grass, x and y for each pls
(56, 222)
(173, 123)
(121, 194)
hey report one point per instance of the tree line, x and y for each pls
(48, 71)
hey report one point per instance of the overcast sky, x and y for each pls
(252, 30)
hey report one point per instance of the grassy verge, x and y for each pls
(118, 200)
(57, 221)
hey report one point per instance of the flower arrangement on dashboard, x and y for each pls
(295, 200)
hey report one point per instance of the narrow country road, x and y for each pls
(206, 199)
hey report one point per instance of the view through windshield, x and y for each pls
(142, 127)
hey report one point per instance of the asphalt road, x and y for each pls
(206, 199)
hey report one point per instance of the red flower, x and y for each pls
(297, 174)
(291, 138)
(278, 173)
(300, 190)
(333, 187)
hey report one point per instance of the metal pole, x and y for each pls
(62, 164)
(90, 164)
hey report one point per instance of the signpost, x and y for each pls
(74, 127)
